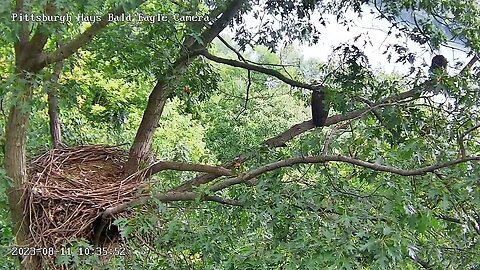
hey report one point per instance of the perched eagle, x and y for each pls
(319, 108)
(438, 62)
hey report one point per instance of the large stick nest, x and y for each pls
(69, 188)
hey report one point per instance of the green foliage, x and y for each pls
(322, 216)
(459, 17)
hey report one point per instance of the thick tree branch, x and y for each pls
(296, 130)
(283, 138)
(171, 196)
(329, 158)
(24, 32)
(193, 47)
(461, 138)
(40, 37)
(180, 166)
(260, 69)
(219, 24)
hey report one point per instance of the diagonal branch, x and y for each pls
(220, 24)
(239, 55)
(335, 158)
(70, 48)
(171, 196)
(296, 130)
(461, 138)
(260, 69)
(141, 147)
(283, 138)
(469, 64)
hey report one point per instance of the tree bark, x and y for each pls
(53, 110)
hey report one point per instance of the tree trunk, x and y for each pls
(15, 167)
(142, 144)
(53, 110)
(26, 55)
(141, 148)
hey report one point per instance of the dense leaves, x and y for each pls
(331, 215)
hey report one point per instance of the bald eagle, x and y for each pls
(319, 108)
(438, 62)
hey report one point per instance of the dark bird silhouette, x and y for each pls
(438, 62)
(437, 71)
(319, 108)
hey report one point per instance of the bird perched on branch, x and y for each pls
(438, 62)
(319, 108)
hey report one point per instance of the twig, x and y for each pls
(460, 140)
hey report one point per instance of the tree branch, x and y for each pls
(239, 55)
(141, 146)
(40, 38)
(180, 166)
(167, 197)
(329, 158)
(205, 178)
(469, 64)
(331, 136)
(425, 265)
(220, 23)
(163, 197)
(24, 32)
(461, 138)
(247, 96)
(263, 70)
(283, 138)
(171, 196)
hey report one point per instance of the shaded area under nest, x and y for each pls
(69, 188)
